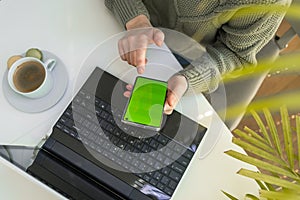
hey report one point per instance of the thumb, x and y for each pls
(177, 85)
(158, 37)
(171, 102)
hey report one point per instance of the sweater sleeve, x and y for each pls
(126, 10)
(238, 42)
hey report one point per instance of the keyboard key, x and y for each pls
(153, 182)
(183, 161)
(111, 120)
(157, 176)
(104, 115)
(129, 148)
(188, 154)
(99, 149)
(117, 132)
(136, 162)
(143, 167)
(144, 158)
(124, 136)
(113, 139)
(163, 139)
(59, 125)
(93, 145)
(110, 128)
(168, 152)
(139, 145)
(166, 170)
(147, 178)
(107, 145)
(158, 166)
(160, 186)
(168, 191)
(174, 175)
(97, 101)
(175, 156)
(114, 149)
(153, 144)
(121, 144)
(108, 108)
(146, 148)
(68, 113)
(161, 158)
(177, 167)
(168, 161)
(66, 130)
(165, 180)
(179, 148)
(150, 162)
(85, 141)
(172, 185)
(129, 158)
(102, 105)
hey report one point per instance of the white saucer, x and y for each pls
(25, 104)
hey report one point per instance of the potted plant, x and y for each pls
(277, 162)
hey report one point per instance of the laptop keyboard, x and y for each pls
(112, 139)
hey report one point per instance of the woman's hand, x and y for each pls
(133, 46)
(177, 86)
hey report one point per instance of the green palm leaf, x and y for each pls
(261, 126)
(261, 164)
(253, 134)
(287, 135)
(258, 152)
(252, 197)
(273, 130)
(270, 179)
(298, 138)
(254, 141)
(261, 185)
(279, 195)
(280, 178)
(265, 186)
(230, 196)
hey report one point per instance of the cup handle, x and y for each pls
(50, 64)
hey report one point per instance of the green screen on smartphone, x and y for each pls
(146, 102)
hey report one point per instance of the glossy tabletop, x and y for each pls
(72, 30)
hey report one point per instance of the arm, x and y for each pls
(133, 46)
(238, 42)
(126, 10)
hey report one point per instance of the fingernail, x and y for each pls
(159, 42)
(140, 70)
(129, 87)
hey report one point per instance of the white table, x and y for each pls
(68, 28)
(71, 29)
(17, 184)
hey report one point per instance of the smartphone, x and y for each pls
(145, 106)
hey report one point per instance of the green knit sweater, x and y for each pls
(233, 31)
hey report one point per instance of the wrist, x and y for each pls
(140, 21)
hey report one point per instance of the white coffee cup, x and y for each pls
(31, 77)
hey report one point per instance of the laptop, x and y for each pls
(91, 154)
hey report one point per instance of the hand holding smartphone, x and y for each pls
(145, 106)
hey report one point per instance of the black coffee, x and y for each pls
(29, 76)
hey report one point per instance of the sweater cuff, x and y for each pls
(129, 9)
(202, 75)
